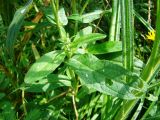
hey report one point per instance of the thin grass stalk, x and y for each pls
(81, 12)
(84, 7)
(118, 22)
(140, 18)
(112, 32)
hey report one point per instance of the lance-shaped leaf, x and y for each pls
(44, 66)
(86, 39)
(62, 16)
(15, 26)
(90, 17)
(83, 32)
(103, 76)
(106, 47)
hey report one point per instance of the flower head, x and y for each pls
(151, 35)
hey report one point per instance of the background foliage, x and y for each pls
(79, 60)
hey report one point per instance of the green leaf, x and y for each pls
(90, 17)
(15, 26)
(44, 66)
(106, 47)
(51, 82)
(83, 32)
(103, 76)
(86, 39)
(86, 18)
(75, 17)
(62, 16)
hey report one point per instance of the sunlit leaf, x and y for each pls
(83, 32)
(102, 75)
(106, 47)
(62, 16)
(89, 17)
(87, 38)
(44, 66)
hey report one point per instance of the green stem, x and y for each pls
(127, 33)
(81, 12)
(74, 106)
(127, 40)
(84, 7)
(112, 32)
(55, 6)
(23, 103)
(74, 8)
(118, 26)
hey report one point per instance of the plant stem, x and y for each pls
(55, 6)
(81, 12)
(58, 96)
(23, 102)
(74, 106)
(74, 8)
(112, 32)
(84, 7)
(127, 33)
(127, 40)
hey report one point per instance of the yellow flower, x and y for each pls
(151, 35)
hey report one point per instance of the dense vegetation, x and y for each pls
(79, 59)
